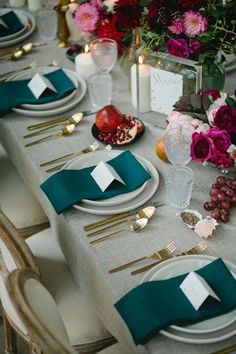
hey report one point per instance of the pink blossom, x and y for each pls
(212, 110)
(96, 3)
(194, 23)
(176, 26)
(86, 17)
(204, 228)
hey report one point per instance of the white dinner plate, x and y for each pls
(24, 75)
(143, 197)
(209, 331)
(29, 30)
(93, 159)
(23, 19)
(78, 96)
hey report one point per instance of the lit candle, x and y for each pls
(144, 85)
(84, 64)
(34, 5)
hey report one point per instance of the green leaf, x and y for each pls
(230, 102)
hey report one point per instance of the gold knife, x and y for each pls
(231, 349)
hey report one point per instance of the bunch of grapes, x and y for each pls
(223, 196)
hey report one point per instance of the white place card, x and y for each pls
(39, 85)
(3, 25)
(104, 175)
(197, 290)
(166, 88)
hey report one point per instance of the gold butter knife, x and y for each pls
(231, 349)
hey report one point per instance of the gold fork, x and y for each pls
(200, 247)
(163, 253)
(94, 146)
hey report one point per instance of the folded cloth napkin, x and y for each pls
(155, 305)
(13, 24)
(68, 187)
(13, 93)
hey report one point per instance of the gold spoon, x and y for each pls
(143, 213)
(74, 119)
(136, 226)
(63, 132)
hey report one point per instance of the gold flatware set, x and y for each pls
(18, 52)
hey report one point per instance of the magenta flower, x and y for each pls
(194, 23)
(178, 47)
(195, 45)
(201, 147)
(221, 160)
(176, 26)
(86, 17)
(221, 139)
(96, 3)
(213, 93)
(225, 118)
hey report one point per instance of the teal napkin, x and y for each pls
(13, 23)
(68, 187)
(155, 305)
(13, 93)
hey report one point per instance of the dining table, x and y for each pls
(90, 263)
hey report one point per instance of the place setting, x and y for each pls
(15, 26)
(42, 91)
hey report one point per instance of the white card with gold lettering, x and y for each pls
(39, 84)
(166, 88)
(197, 290)
(104, 174)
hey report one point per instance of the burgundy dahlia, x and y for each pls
(127, 14)
(225, 118)
(192, 5)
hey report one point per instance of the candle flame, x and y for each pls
(140, 59)
(86, 48)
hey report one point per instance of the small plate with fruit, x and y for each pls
(114, 128)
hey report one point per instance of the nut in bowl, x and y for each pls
(114, 128)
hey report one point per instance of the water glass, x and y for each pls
(179, 186)
(100, 90)
(47, 24)
(177, 145)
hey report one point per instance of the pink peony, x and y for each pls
(201, 147)
(176, 26)
(194, 23)
(86, 17)
(221, 139)
(178, 47)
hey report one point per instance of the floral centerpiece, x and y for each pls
(211, 117)
(197, 30)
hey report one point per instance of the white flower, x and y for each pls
(204, 228)
(231, 148)
(212, 110)
(110, 4)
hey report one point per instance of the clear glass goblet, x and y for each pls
(177, 141)
(104, 54)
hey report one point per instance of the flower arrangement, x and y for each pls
(108, 18)
(211, 118)
(197, 30)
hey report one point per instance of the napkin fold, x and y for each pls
(13, 23)
(155, 305)
(14, 93)
(68, 187)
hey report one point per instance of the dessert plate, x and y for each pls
(93, 159)
(143, 197)
(23, 19)
(28, 74)
(209, 331)
(28, 31)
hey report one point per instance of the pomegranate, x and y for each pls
(108, 119)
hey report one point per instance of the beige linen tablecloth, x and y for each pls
(90, 263)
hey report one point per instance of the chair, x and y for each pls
(17, 202)
(85, 331)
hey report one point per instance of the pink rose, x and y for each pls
(221, 139)
(178, 47)
(194, 23)
(203, 127)
(176, 26)
(201, 147)
(211, 113)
